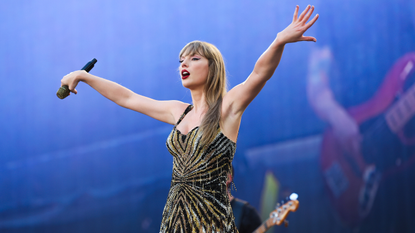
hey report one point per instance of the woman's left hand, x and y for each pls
(294, 32)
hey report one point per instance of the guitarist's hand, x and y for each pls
(322, 101)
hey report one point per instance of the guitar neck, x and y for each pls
(403, 110)
(265, 226)
(278, 216)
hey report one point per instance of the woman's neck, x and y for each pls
(199, 102)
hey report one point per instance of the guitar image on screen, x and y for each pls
(279, 215)
(386, 124)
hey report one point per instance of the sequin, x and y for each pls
(197, 200)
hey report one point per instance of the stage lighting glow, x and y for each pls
(293, 196)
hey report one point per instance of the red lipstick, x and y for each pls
(185, 74)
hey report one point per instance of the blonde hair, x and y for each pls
(215, 87)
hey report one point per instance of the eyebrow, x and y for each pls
(195, 54)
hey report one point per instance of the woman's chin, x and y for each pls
(185, 84)
(191, 86)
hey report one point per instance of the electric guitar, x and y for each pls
(383, 122)
(279, 215)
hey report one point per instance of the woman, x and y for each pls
(203, 139)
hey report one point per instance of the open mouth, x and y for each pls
(185, 74)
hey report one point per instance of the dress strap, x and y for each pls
(190, 107)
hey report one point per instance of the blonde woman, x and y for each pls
(203, 139)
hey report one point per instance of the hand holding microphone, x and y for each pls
(64, 91)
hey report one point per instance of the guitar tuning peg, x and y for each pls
(286, 223)
(293, 196)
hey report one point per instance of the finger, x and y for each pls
(309, 24)
(308, 15)
(303, 13)
(295, 13)
(72, 89)
(308, 38)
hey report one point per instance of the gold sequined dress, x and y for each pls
(198, 200)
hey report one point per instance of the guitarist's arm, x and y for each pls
(321, 99)
(250, 221)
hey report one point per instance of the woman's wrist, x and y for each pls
(82, 76)
(279, 40)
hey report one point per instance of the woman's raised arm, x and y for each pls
(165, 111)
(241, 95)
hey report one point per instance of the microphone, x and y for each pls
(63, 91)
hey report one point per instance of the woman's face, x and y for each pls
(194, 70)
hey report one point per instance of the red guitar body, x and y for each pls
(343, 174)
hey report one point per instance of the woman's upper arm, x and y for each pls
(167, 111)
(239, 97)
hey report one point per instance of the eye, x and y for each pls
(181, 61)
(195, 59)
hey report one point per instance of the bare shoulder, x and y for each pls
(230, 118)
(230, 107)
(177, 108)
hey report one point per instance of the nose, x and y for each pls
(184, 63)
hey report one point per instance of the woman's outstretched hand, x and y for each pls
(294, 32)
(72, 80)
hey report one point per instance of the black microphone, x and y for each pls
(63, 91)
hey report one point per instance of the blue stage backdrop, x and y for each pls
(84, 164)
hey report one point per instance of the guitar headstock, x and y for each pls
(279, 215)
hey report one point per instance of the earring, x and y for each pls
(234, 186)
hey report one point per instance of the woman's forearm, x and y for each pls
(269, 60)
(109, 89)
